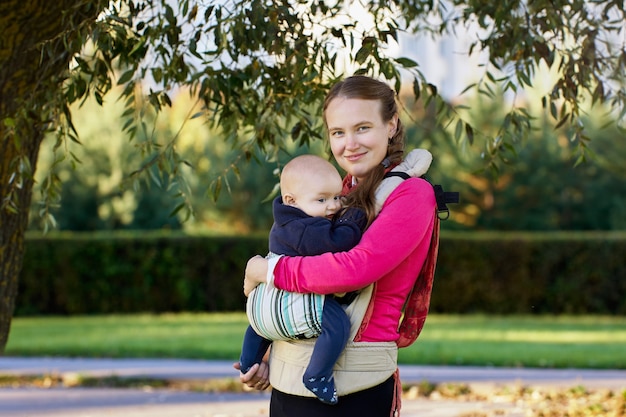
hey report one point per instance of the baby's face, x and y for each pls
(319, 197)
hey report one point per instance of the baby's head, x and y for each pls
(312, 184)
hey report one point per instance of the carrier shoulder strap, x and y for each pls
(443, 197)
(418, 301)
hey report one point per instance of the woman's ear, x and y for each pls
(392, 126)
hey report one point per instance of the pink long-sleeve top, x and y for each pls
(391, 254)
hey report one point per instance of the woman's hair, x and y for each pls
(366, 88)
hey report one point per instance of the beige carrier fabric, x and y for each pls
(362, 364)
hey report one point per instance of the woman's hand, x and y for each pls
(258, 377)
(256, 273)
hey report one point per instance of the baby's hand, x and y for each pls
(256, 272)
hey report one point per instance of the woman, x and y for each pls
(367, 140)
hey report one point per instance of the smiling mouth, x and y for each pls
(354, 157)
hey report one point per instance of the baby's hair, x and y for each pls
(305, 166)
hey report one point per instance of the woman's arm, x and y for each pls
(403, 224)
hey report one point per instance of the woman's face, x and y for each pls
(358, 135)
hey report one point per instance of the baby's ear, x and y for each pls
(289, 200)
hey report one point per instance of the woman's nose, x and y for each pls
(351, 142)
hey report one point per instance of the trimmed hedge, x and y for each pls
(122, 273)
(496, 273)
(526, 273)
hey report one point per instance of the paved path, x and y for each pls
(205, 369)
(90, 402)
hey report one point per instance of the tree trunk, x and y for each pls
(27, 76)
(12, 228)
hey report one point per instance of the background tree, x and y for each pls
(541, 189)
(95, 199)
(261, 68)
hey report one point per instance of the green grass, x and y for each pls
(529, 341)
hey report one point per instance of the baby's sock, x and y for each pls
(323, 387)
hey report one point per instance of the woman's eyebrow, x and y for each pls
(362, 122)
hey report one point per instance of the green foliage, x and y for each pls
(260, 69)
(545, 191)
(533, 186)
(538, 188)
(100, 195)
(492, 273)
(122, 273)
(524, 273)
